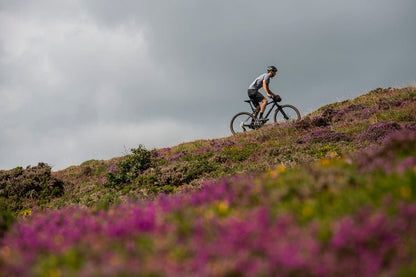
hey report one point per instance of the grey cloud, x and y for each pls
(309, 40)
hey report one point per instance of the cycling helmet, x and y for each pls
(271, 68)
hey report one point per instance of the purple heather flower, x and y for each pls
(113, 168)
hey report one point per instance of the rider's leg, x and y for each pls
(260, 98)
(263, 107)
(256, 111)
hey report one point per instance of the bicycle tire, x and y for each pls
(241, 123)
(291, 111)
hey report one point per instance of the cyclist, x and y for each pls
(253, 91)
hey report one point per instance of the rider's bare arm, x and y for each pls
(267, 90)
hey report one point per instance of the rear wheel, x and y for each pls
(242, 122)
(291, 113)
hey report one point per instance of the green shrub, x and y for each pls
(199, 168)
(32, 184)
(130, 167)
(6, 217)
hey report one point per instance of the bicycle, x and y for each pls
(245, 121)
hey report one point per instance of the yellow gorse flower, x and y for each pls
(325, 162)
(54, 272)
(281, 168)
(223, 206)
(332, 155)
(275, 173)
(27, 212)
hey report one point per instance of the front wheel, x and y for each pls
(242, 122)
(287, 113)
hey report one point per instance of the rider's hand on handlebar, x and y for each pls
(277, 98)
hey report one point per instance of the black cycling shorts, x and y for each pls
(255, 96)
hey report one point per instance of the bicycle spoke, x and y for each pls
(287, 113)
(241, 122)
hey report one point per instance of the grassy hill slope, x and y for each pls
(330, 195)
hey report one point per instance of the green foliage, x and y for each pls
(332, 189)
(6, 217)
(130, 167)
(146, 179)
(332, 131)
(408, 271)
(70, 261)
(300, 172)
(240, 153)
(199, 168)
(92, 168)
(397, 115)
(106, 201)
(33, 184)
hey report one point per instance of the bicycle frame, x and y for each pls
(246, 120)
(275, 104)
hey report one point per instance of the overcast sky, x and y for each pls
(84, 79)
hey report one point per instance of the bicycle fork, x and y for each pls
(283, 113)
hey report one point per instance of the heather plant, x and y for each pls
(304, 123)
(271, 225)
(256, 151)
(171, 177)
(240, 153)
(396, 153)
(320, 121)
(323, 135)
(380, 91)
(325, 206)
(388, 104)
(353, 112)
(404, 114)
(378, 131)
(411, 125)
(34, 184)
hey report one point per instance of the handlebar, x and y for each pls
(277, 98)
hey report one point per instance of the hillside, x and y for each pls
(330, 195)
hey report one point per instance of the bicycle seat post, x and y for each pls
(251, 106)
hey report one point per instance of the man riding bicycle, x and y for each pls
(262, 82)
